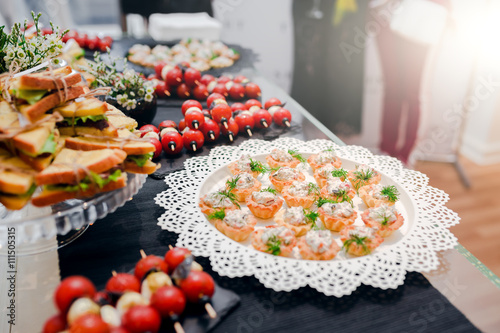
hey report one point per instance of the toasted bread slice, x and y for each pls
(33, 140)
(15, 185)
(44, 81)
(48, 197)
(147, 168)
(35, 111)
(69, 166)
(14, 202)
(41, 162)
(109, 131)
(80, 108)
(119, 119)
(131, 147)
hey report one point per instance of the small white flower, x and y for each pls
(131, 104)
(141, 92)
(149, 90)
(132, 94)
(148, 97)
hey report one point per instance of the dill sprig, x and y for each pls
(340, 173)
(296, 155)
(391, 192)
(231, 196)
(270, 190)
(357, 240)
(258, 166)
(313, 189)
(275, 169)
(233, 182)
(274, 245)
(218, 214)
(321, 201)
(310, 216)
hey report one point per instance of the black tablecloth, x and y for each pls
(113, 243)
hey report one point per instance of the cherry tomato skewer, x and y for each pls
(245, 122)
(193, 140)
(262, 118)
(210, 130)
(232, 129)
(221, 113)
(171, 141)
(282, 117)
(194, 118)
(212, 97)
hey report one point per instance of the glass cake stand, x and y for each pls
(36, 229)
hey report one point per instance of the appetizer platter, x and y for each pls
(268, 242)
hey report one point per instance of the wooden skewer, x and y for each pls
(172, 146)
(225, 124)
(212, 136)
(249, 132)
(113, 272)
(178, 327)
(210, 310)
(287, 123)
(170, 247)
(264, 123)
(197, 82)
(167, 92)
(195, 124)
(143, 254)
(231, 138)
(193, 146)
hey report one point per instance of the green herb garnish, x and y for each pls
(233, 182)
(218, 215)
(274, 245)
(258, 166)
(321, 201)
(312, 189)
(231, 196)
(391, 192)
(363, 176)
(310, 216)
(296, 155)
(270, 190)
(357, 240)
(340, 173)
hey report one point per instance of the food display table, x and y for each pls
(462, 295)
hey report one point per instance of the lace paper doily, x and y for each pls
(416, 251)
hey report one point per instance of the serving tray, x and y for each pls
(413, 248)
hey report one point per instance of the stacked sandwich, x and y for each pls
(54, 134)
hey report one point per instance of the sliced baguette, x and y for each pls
(131, 148)
(69, 165)
(35, 111)
(147, 168)
(48, 197)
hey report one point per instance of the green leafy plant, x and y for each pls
(24, 53)
(218, 215)
(356, 240)
(274, 245)
(258, 166)
(296, 155)
(391, 192)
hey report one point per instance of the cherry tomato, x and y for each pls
(238, 107)
(200, 92)
(213, 97)
(190, 103)
(232, 129)
(118, 330)
(71, 288)
(183, 91)
(56, 324)
(223, 79)
(252, 90)
(158, 68)
(148, 128)
(262, 118)
(192, 77)
(148, 263)
(168, 301)
(237, 91)
(282, 117)
(172, 143)
(82, 40)
(102, 298)
(158, 147)
(122, 282)
(175, 256)
(240, 79)
(70, 35)
(197, 286)
(252, 102)
(221, 113)
(141, 319)
(103, 44)
(93, 43)
(166, 124)
(174, 77)
(89, 323)
(162, 89)
(245, 122)
(206, 79)
(210, 130)
(182, 124)
(194, 118)
(272, 101)
(47, 31)
(220, 89)
(193, 140)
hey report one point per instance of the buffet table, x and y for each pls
(461, 296)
